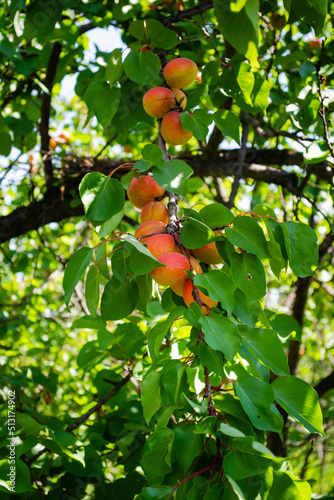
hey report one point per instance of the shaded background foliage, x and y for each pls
(275, 152)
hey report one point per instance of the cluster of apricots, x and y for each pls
(146, 194)
(169, 102)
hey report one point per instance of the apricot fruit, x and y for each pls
(65, 135)
(160, 244)
(154, 210)
(148, 229)
(199, 77)
(53, 143)
(178, 289)
(180, 72)
(188, 297)
(208, 254)
(172, 130)
(315, 44)
(174, 272)
(159, 100)
(143, 190)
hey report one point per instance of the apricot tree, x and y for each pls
(196, 156)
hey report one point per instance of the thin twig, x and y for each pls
(322, 110)
(242, 155)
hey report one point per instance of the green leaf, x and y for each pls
(221, 334)
(156, 493)
(198, 123)
(75, 268)
(106, 105)
(240, 28)
(173, 176)
(286, 325)
(248, 274)
(171, 380)
(114, 67)
(141, 260)
(266, 347)
(151, 395)
(187, 445)
(28, 424)
(248, 235)
(286, 486)
(102, 196)
(108, 226)
(153, 154)
(153, 32)
(316, 152)
(228, 123)
(89, 323)
(156, 460)
(246, 80)
(142, 67)
(40, 22)
(89, 355)
(300, 400)
(92, 293)
(302, 248)
(22, 477)
(216, 215)
(118, 299)
(219, 286)
(248, 459)
(256, 398)
(195, 234)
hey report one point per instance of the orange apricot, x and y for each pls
(148, 229)
(199, 77)
(159, 100)
(172, 130)
(188, 297)
(160, 244)
(65, 135)
(180, 72)
(53, 143)
(143, 190)
(174, 272)
(154, 210)
(178, 289)
(208, 254)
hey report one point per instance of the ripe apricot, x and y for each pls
(174, 273)
(172, 130)
(208, 254)
(199, 77)
(178, 289)
(188, 297)
(143, 190)
(65, 135)
(154, 210)
(180, 72)
(149, 228)
(159, 100)
(315, 44)
(53, 143)
(160, 244)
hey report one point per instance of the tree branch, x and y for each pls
(46, 109)
(189, 13)
(56, 204)
(325, 385)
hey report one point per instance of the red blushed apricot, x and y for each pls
(160, 244)
(178, 289)
(148, 229)
(208, 254)
(188, 297)
(180, 72)
(143, 190)
(172, 131)
(159, 100)
(174, 273)
(154, 210)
